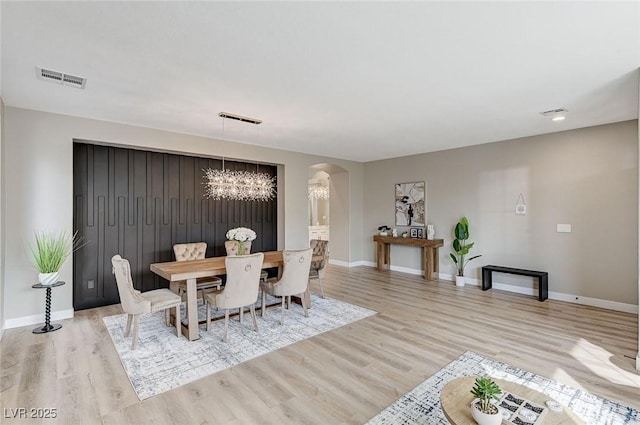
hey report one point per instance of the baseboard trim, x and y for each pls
(638, 361)
(35, 319)
(346, 263)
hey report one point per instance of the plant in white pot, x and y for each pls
(461, 248)
(485, 390)
(50, 252)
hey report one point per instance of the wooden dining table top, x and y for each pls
(212, 266)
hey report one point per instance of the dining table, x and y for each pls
(190, 271)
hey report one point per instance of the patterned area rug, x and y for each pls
(422, 404)
(162, 362)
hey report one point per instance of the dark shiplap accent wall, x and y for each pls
(139, 204)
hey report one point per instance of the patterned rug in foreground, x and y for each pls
(422, 404)
(163, 362)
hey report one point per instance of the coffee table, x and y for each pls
(456, 398)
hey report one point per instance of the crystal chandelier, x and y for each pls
(319, 192)
(238, 185)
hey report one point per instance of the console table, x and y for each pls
(429, 252)
(48, 327)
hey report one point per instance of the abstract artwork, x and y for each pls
(410, 204)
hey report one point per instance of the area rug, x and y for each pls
(162, 362)
(422, 404)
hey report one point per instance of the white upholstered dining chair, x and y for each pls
(135, 303)
(240, 290)
(232, 249)
(294, 280)
(195, 251)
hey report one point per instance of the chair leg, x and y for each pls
(282, 310)
(178, 322)
(288, 302)
(167, 317)
(226, 324)
(135, 332)
(252, 308)
(127, 329)
(241, 313)
(264, 302)
(208, 308)
(321, 288)
(304, 305)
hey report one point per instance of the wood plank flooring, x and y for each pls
(344, 376)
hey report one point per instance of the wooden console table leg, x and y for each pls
(429, 263)
(383, 256)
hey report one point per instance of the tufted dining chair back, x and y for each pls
(190, 251)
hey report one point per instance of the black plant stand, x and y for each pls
(48, 327)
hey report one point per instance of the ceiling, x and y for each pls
(352, 80)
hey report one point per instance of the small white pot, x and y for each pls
(459, 280)
(485, 418)
(48, 279)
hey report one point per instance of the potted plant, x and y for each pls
(485, 390)
(461, 247)
(50, 252)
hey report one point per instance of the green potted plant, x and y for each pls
(485, 390)
(50, 252)
(461, 248)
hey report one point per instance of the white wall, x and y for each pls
(39, 190)
(587, 178)
(2, 218)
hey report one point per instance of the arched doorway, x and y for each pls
(329, 215)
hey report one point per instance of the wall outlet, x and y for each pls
(91, 284)
(563, 228)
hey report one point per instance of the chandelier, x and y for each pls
(319, 192)
(238, 185)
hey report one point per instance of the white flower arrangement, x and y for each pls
(241, 234)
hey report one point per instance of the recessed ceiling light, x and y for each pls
(558, 118)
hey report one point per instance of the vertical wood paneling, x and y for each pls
(138, 204)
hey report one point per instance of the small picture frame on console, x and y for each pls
(414, 232)
(420, 233)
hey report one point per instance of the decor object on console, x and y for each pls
(383, 230)
(241, 235)
(238, 185)
(461, 247)
(51, 251)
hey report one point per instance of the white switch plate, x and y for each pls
(563, 228)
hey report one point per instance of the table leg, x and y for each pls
(427, 256)
(383, 256)
(192, 310)
(48, 327)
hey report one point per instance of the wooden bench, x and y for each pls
(543, 278)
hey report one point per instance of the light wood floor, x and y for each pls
(344, 376)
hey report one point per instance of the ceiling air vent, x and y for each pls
(61, 78)
(554, 112)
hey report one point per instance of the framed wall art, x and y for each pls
(410, 204)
